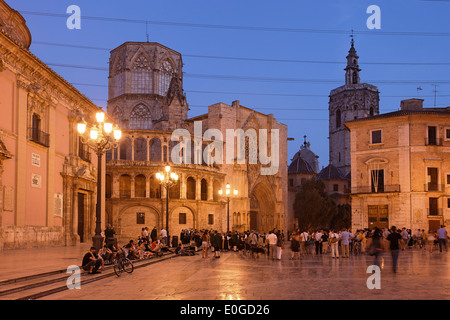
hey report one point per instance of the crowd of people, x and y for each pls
(147, 245)
(344, 243)
(250, 242)
(338, 243)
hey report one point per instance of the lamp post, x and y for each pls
(102, 137)
(167, 179)
(227, 194)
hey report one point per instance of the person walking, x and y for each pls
(280, 244)
(205, 244)
(442, 238)
(295, 246)
(431, 238)
(333, 240)
(345, 236)
(376, 245)
(318, 242)
(272, 239)
(304, 237)
(395, 243)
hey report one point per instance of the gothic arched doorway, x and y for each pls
(262, 209)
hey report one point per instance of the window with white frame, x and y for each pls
(376, 136)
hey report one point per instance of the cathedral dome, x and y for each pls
(330, 173)
(299, 165)
(14, 26)
(304, 161)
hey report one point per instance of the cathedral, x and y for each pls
(49, 177)
(147, 100)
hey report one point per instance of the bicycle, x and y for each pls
(123, 264)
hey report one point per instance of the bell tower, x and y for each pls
(146, 87)
(353, 100)
(352, 70)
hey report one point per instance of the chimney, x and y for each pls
(411, 104)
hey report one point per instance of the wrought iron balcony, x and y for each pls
(433, 141)
(434, 211)
(84, 154)
(429, 187)
(381, 189)
(39, 137)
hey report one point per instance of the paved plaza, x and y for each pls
(421, 275)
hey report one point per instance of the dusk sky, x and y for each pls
(279, 57)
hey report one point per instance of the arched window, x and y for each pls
(125, 186)
(118, 81)
(155, 188)
(371, 111)
(174, 191)
(338, 118)
(165, 76)
(204, 190)
(190, 188)
(355, 78)
(155, 150)
(141, 76)
(108, 186)
(140, 149)
(139, 186)
(125, 149)
(140, 118)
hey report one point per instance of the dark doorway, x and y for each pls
(432, 136)
(81, 197)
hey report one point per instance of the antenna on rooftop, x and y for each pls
(435, 91)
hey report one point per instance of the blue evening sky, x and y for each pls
(414, 33)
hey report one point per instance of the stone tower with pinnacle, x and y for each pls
(353, 100)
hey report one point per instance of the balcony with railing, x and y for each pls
(433, 141)
(434, 187)
(83, 153)
(39, 136)
(395, 188)
(434, 212)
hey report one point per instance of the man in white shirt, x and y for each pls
(272, 238)
(333, 240)
(318, 241)
(164, 236)
(304, 237)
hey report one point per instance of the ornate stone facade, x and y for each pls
(41, 171)
(146, 98)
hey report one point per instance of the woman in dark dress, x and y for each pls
(295, 246)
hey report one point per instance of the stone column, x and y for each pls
(183, 189)
(198, 188)
(210, 185)
(21, 153)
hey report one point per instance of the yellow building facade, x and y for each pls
(400, 168)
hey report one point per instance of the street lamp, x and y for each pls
(167, 179)
(102, 137)
(227, 194)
